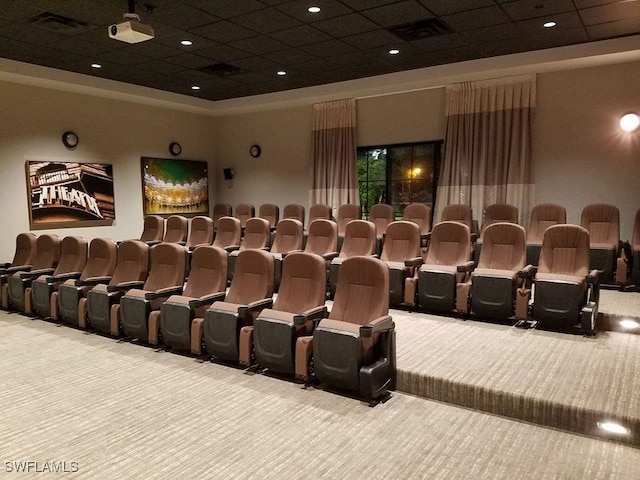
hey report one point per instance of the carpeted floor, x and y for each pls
(124, 411)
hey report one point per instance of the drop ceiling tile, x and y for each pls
(267, 21)
(492, 33)
(346, 25)
(564, 21)
(445, 7)
(121, 57)
(77, 46)
(317, 66)
(329, 9)
(440, 42)
(593, 3)
(223, 53)
(254, 64)
(161, 67)
(611, 12)
(301, 35)
(364, 4)
(189, 60)
(398, 13)
(226, 8)
(24, 33)
(478, 18)
(329, 48)
(152, 49)
(224, 32)
(259, 45)
(628, 26)
(182, 16)
(525, 9)
(372, 39)
(289, 57)
(199, 43)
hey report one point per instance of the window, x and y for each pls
(398, 175)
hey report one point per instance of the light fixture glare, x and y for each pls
(96, 65)
(195, 87)
(313, 9)
(629, 122)
(612, 427)
(549, 24)
(186, 43)
(281, 73)
(394, 51)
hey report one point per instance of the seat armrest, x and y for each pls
(414, 262)
(257, 305)
(232, 248)
(527, 272)
(64, 276)
(207, 300)
(92, 281)
(316, 313)
(125, 286)
(474, 237)
(593, 276)
(164, 292)
(330, 256)
(466, 267)
(378, 325)
(16, 268)
(30, 275)
(284, 254)
(182, 243)
(153, 243)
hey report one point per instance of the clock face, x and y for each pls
(175, 148)
(70, 139)
(255, 151)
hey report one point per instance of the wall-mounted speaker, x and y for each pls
(228, 173)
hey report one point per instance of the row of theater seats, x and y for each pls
(139, 291)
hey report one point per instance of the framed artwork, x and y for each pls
(174, 187)
(65, 194)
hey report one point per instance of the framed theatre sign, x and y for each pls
(65, 194)
(174, 187)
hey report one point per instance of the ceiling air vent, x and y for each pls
(57, 23)
(431, 27)
(222, 69)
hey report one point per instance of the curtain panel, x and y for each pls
(487, 147)
(335, 179)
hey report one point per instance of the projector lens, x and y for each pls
(114, 29)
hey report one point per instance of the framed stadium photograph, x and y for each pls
(69, 194)
(174, 187)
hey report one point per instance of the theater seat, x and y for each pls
(323, 239)
(500, 271)
(99, 268)
(23, 257)
(200, 233)
(494, 213)
(244, 212)
(602, 221)
(288, 238)
(294, 211)
(206, 284)
(177, 230)
(299, 305)
(256, 236)
(251, 291)
(221, 210)
(566, 293)
(635, 250)
(44, 263)
(73, 258)
(543, 216)
(381, 215)
(228, 234)
(458, 212)
(420, 214)
(359, 240)
(346, 213)
(132, 267)
(139, 310)
(354, 348)
(447, 263)
(401, 254)
(271, 213)
(319, 210)
(153, 230)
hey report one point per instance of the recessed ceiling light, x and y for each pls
(186, 43)
(629, 122)
(612, 427)
(394, 51)
(313, 9)
(96, 65)
(629, 324)
(549, 24)
(282, 73)
(195, 87)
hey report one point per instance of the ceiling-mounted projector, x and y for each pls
(131, 30)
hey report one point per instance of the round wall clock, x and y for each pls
(255, 151)
(70, 140)
(175, 149)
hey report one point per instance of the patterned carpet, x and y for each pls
(125, 411)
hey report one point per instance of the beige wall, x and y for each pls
(580, 155)
(32, 121)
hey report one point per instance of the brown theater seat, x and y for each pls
(244, 212)
(177, 230)
(354, 348)
(401, 253)
(206, 284)
(494, 213)
(543, 216)
(73, 258)
(23, 257)
(221, 210)
(251, 291)
(500, 271)
(288, 238)
(420, 214)
(139, 309)
(319, 210)
(458, 212)
(256, 236)
(346, 213)
(132, 267)
(381, 215)
(271, 213)
(200, 233)
(294, 211)
(299, 305)
(566, 293)
(100, 266)
(447, 263)
(44, 263)
(602, 221)
(228, 234)
(323, 239)
(153, 230)
(359, 240)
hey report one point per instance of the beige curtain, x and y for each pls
(487, 147)
(335, 180)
